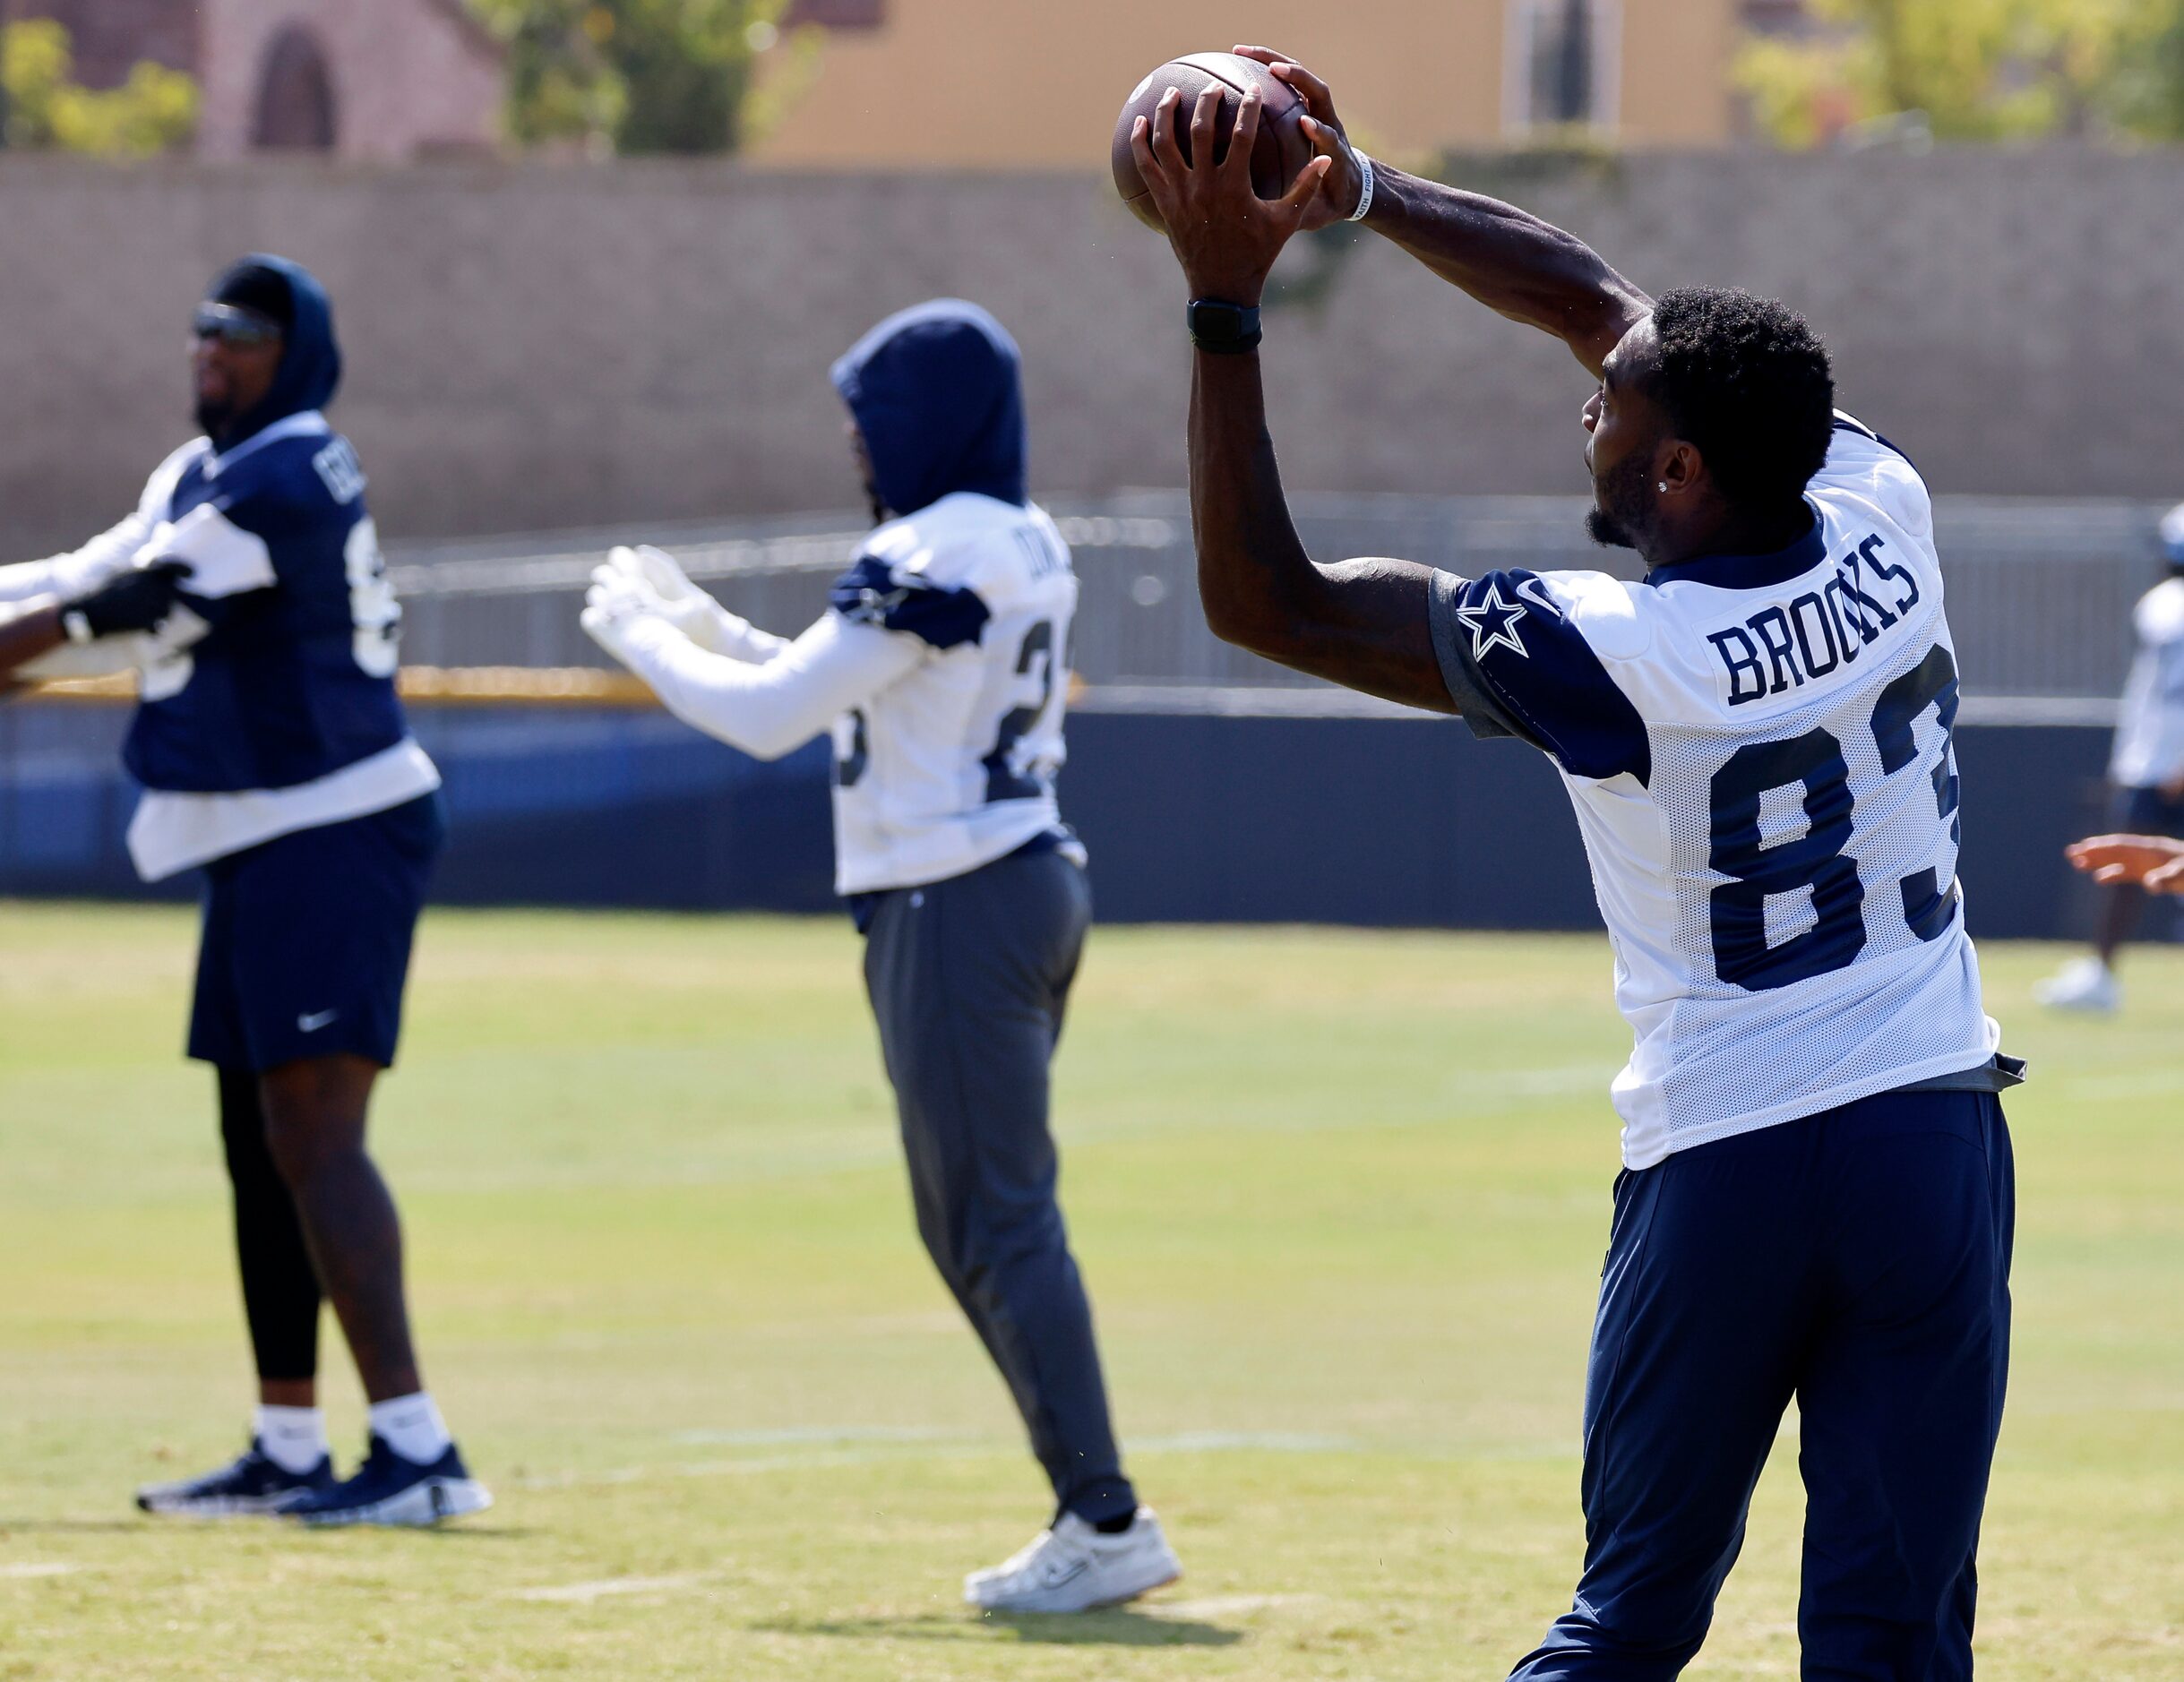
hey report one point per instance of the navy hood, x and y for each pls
(938, 393)
(310, 359)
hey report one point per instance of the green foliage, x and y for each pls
(632, 75)
(1979, 70)
(154, 111)
(2147, 97)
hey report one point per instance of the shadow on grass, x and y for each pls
(1117, 1627)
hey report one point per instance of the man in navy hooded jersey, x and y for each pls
(275, 757)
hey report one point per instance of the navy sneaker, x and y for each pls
(253, 1484)
(389, 1490)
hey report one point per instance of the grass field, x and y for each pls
(1341, 1199)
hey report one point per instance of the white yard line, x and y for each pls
(584, 1593)
(37, 1568)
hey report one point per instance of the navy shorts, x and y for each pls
(1857, 1260)
(2149, 812)
(306, 941)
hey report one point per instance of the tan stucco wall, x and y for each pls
(1007, 83)
(533, 347)
(1676, 58)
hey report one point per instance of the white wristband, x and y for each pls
(1364, 193)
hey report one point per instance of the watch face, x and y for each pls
(1216, 325)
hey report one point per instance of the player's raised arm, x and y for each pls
(1507, 259)
(1362, 624)
(766, 709)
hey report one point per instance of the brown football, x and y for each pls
(1280, 151)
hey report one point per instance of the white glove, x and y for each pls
(682, 604)
(657, 571)
(620, 613)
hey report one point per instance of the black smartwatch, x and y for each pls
(1225, 330)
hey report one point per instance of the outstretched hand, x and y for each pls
(617, 607)
(670, 593)
(135, 599)
(1345, 178)
(1226, 236)
(2152, 862)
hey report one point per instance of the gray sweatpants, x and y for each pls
(968, 978)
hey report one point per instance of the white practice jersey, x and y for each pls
(1758, 749)
(952, 765)
(2150, 731)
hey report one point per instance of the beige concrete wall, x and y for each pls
(1001, 84)
(532, 347)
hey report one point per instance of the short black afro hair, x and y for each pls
(1747, 380)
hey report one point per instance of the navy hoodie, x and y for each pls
(938, 393)
(293, 679)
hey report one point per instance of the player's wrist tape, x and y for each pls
(1223, 329)
(74, 626)
(1365, 192)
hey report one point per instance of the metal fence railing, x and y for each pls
(2040, 591)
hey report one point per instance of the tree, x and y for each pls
(635, 75)
(1976, 69)
(45, 107)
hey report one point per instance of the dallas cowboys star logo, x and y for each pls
(1493, 624)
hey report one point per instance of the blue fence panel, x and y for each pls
(1376, 821)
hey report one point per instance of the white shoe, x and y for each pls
(2084, 983)
(1073, 1568)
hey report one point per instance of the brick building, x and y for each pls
(380, 79)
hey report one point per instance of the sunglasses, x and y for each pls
(233, 325)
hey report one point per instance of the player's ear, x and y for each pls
(1682, 468)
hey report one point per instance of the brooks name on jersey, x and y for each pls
(1759, 751)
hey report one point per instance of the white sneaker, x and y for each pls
(1073, 1568)
(2084, 983)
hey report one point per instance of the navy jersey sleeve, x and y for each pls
(874, 592)
(1515, 665)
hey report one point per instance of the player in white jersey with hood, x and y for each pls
(940, 670)
(1817, 1200)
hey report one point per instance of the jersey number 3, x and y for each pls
(1819, 860)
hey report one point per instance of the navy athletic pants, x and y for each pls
(968, 978)
(1856, 1260)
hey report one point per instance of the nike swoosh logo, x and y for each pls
(311, 1024)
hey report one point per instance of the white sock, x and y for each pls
(412, 1427)
(292, 1438)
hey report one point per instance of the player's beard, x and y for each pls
(1619, 510)
(214, 417)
